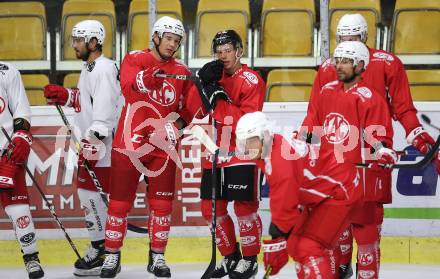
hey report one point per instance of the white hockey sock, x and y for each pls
(21, 218)
(95, 212)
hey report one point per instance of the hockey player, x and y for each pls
(145, 142)
(15, 118)
(234, 90)
(96, 105)
(387, 76)
(325, 190)
(357, 104)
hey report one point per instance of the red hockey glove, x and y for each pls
(147, 80)
(20, 146)
(59, 95)
(420, 139)
(7, 174)
(385, 158)
(90, 151)
(275, 254)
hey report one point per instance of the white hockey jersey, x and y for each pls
(13, 100)
(101, 99)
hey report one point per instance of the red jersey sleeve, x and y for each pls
(284, 188)
(191, 103)
(251, 99)
(402, 107)
(129, 70)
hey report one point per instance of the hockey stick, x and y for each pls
(268, 271)
(91, 173)
(47, 203)
(179, 77)
(427, 120)
(426, 160)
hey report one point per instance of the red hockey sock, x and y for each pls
(159, 224)
(368, 261)
(225, 235)
(116, 224)
(312, 260)
(345, 246)
(250, 234)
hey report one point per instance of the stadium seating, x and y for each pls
(215, 16)
(138, 31)
(71, 80)
(424, 84)
(33, 84)
(289, 85)
(23, 35)
(370, 9)
(416, 30)
(77, 10)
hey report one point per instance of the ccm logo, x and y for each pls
(237, 186)
(275, 247)
(165, 194)
(6, 180)
(113, 234)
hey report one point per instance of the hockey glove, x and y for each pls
(90, 151)
(211, 72)
(385, 158)
(7, 174)
(275, 254)
(20, 147)
(214, 92)
(420, 139)
(146, 80)
(59, 95)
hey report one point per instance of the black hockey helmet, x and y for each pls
(226, 37)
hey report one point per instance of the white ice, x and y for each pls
(194, 271)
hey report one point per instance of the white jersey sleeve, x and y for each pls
(13, 99)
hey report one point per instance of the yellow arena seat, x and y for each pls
(416, 27)
(214, 16)
(33, 84)
(78, 10)
(22, 31)
(71, 80)
(289, 85)
(138, 31)
(287, 28)
(370, 9)
(424, 84)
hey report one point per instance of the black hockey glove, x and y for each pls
(214, 92)
(211, 72)
(275, 232)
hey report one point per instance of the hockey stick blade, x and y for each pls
(427, 120)
(91, 173)
(426, 160)
(268, 271)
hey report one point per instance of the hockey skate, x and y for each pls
(245, 269)
(33, 267)
(157, 265)
(91, 263)
(111, 265)
(345, 271)
(227, 264)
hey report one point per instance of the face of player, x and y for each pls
(168, 45)
(350, 38)
(229, 56)
(344, 69)
(80, 47)
(253, 148)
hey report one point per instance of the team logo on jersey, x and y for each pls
(165, 96)
(383, 56)
(245, 225)
(91, 66)
(366, 259)
(364, 92)
(23, 222)
(336, 128)
(2, 105)
(251, 77)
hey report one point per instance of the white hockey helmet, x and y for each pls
(352, 25)
(168, 24)
(88, 29)
(254, 124)
(357, 51)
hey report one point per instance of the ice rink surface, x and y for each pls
(194, 271)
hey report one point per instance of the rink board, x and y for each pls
(415, 210)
